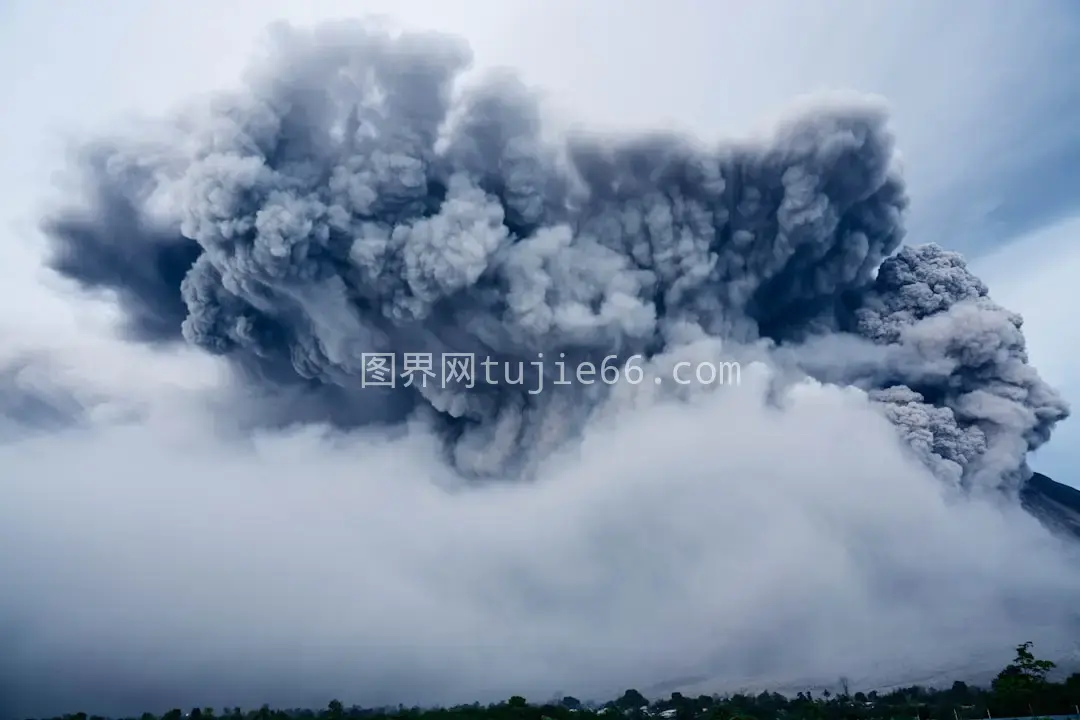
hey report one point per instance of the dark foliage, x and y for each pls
(1021, 690)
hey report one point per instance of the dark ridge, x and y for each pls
(1055, 505)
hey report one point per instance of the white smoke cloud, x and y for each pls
(158, 562)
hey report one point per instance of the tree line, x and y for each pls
(1022, 689)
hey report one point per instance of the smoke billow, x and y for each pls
(350, 201)
(358, 196)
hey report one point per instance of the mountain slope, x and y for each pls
(1055, 505)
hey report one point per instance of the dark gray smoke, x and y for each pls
(354, 198)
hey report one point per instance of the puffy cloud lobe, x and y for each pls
(971, 387)
(350, 200)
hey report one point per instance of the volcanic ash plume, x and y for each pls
(356, 198)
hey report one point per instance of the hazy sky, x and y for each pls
(165, 563)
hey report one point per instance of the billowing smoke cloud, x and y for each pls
(352, 202)
(357, 198)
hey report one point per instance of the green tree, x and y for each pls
(631, 700)
(1072, 687)
(1017, 687)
